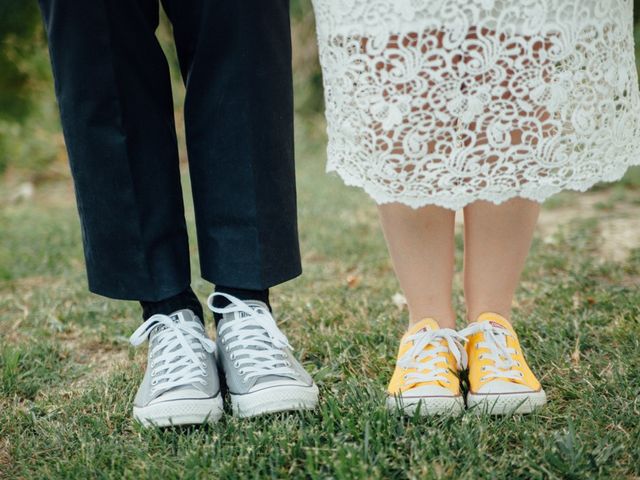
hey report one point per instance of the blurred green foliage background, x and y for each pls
(31, 144)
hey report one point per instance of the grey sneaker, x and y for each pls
(180, 386)
(261, 373)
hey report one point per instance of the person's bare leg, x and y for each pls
(421, 244)
(497, 240)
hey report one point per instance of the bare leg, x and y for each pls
(421, 244)
(497, 241)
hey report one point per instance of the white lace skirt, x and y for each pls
(447, 102)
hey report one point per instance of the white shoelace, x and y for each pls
(495, 340)
(415, 356)
(255, 342)
(177, 352)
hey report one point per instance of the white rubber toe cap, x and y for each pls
(502, 387)
(179, 394)
(427, 391)
(431, 399)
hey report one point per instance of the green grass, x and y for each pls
(67, 375)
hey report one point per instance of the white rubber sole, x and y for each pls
(275, 399)
(506, 403)
(429, 406)
(180, 412)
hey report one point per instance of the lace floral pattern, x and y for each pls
(451, 101)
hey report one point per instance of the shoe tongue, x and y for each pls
(184, 315)
(496, 320)
(253, 304)
(181, 316)
(256, 303)
(424, 324)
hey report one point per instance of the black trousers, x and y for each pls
(114, 92)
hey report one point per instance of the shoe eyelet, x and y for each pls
(226, 348)
(236, 364)
(241, 372)
(223, 340)
(155, 382)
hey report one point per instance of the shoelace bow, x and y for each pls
(430, 370)
(501, 356)
(174, 361)
(255, 342)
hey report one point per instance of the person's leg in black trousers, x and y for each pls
(240, 145)
(240, 141)
(114, 92)
(115, 96)
(236, 61)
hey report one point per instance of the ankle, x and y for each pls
(186, 299)
(474, 313)
(443, 319)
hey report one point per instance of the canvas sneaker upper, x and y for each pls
(181, 362)
(429, 359)
(252, 350)
(496, 362)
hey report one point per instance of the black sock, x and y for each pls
(241, 294)
(185, 299)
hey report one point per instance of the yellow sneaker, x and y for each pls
(500, 381)
(427, 371)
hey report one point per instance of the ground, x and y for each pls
(68, 375)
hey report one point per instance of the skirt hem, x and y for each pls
(454, 201)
